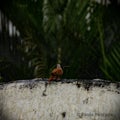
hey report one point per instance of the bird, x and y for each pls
(56, 73)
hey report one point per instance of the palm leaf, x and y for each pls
(112, 69)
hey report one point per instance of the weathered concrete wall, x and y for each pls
(66, 100)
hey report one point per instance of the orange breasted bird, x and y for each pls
(56, 73)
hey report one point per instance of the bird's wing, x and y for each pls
(57, 71)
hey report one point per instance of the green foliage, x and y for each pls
(111, 66)
(66, 27)
(78, 28)
(10, 71)
(27, 17)
(110, 52)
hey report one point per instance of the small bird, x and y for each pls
(56, 73)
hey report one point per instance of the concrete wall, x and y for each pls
(65, 100)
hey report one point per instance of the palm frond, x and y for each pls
(112, 64)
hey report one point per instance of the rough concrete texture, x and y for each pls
(64, 100)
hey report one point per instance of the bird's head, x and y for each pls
(58, 66)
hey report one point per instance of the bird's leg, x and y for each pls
(58, 78)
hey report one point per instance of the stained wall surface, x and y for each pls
(65, 100)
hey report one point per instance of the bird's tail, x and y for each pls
(51, 78)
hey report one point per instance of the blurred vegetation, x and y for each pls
(82, 35)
